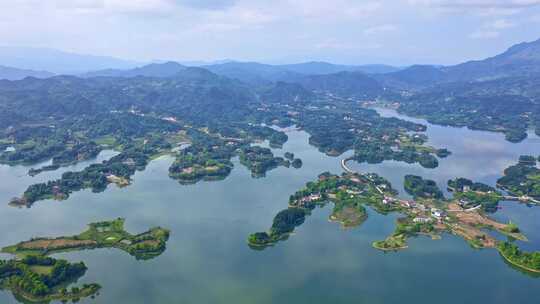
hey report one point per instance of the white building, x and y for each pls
(423, 220)
(437, 213)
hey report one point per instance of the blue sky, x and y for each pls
(398, 32)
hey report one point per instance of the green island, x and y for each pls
(199, 155)
(75, 139)
(109, 234)
(74, 154)
(30, 148)
(36, 277)
(297, 163)
(406, 148)
(283, 224)
(422, 188)
(43, 279)
(522, 180)
(117, 170)
(259, 160)
(336, 126)
(289, 156)
(210, 161)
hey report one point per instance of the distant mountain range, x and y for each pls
(59, 62)
(316, 68)
(258, 73)
(248, 72)
(10, 73)
(519, 60)
(167, 69)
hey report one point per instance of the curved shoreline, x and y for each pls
(374, 245)
(518, 265)
(89, 291)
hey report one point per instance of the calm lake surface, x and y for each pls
(208, 261)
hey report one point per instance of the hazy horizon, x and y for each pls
(399, 33)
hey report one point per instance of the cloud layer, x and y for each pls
(347, 31)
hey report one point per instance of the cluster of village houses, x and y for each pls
(306, 201)
(435, 215)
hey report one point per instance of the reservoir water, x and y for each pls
(207, 258)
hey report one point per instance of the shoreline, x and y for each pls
(374, 245)
(517, 264)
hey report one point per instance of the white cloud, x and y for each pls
(123, 6)
(479, 7)
(489, 12)
(205, 4)
(491, 30)
(256, 14)
(484, 34)
(139, 7)
(146, 7)
(235, 18)
(333, 44)
(79, 4)
(380, 29)
(332, 9)
(478, 3)
(535, 18)
(500, 24)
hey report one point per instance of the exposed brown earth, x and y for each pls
(48, 244)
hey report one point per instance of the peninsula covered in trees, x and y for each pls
(529, 261)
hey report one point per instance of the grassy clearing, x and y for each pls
(106, 141)
(44, 270)
(393, 242)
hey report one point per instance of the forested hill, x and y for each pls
(167, 69)
(498, 94)
(194, 92)
(519, 60)
(10, 73)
